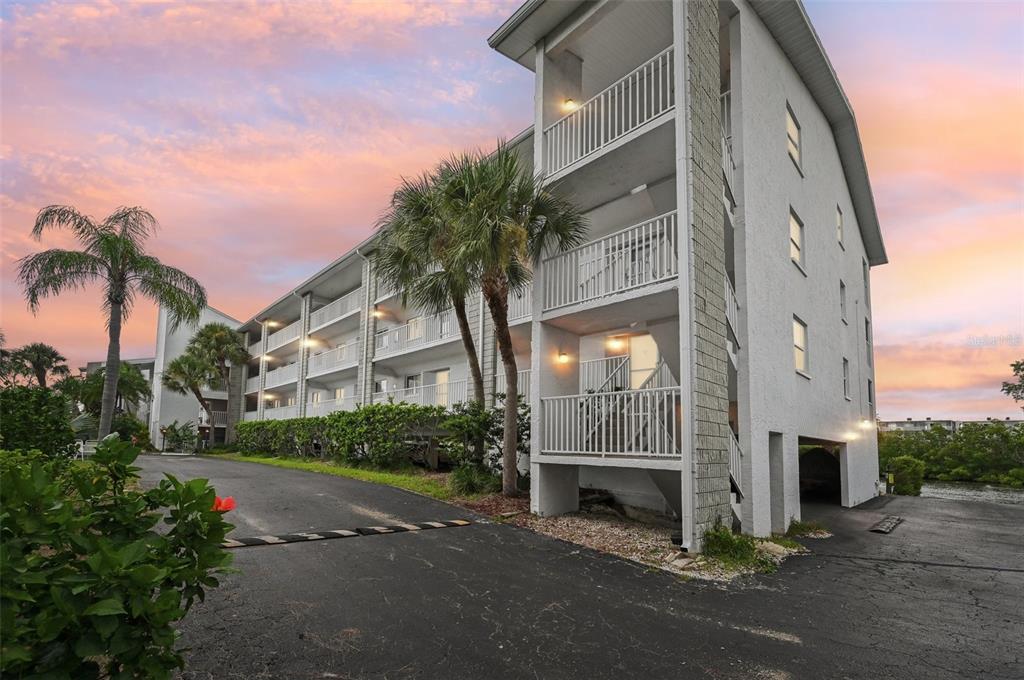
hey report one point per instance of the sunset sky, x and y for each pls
(266, 138)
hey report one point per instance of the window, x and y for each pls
(867, 286)
(800, 345)
(867, 338)
(380, 385)
(846, 378)
(839, 224)
(871, 398)
(413, 381)
(842, 301)
(291, 401)
(796, 239)
(339, 393)
(314, 397)
(793, 136)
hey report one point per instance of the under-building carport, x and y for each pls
(821, 471)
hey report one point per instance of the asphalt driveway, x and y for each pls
(941, 597)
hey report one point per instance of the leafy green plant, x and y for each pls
(735, 551)
(181, 437)
(90, 587)
(468, 479)
(976, 452)
(909, 475)
(35, 418)
(798, 528)
(131, 429)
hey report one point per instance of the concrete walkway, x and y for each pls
(495, 601)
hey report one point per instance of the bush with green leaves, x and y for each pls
(908, 473)
(465, 422)
(90, 587)
(467, 479)
(35, 418)
(131, 429)
(181, 437)
(977, 452)
(736, 551)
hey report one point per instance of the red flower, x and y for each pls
(223, 504)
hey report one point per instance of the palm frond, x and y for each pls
(132, 224)
(56, 271)
(183, 296)
(65, 217)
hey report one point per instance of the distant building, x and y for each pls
(911, 425)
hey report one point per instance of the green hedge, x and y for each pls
(381, 435)
(977, 452)
(908, 475)
(35, 418)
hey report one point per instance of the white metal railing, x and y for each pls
(284, 336)
(282, 376)
(251, 415)
(660, 376)
(252, 384)
(732, 307)
(322, 408)
(633, 257)
(335, 309)
(254, 348)
(220, 418)
(437, 394)
(609, 374)
(637, 98)
(522, 377)
(421, 331)
(736, 461)
(520, 305)
(635, 423)
(385, 289)
(728, 162)
(281, 413)
(344, 356)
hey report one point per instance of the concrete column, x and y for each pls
(261, 406)
(367, 336)
(554, 489)
(300, 387)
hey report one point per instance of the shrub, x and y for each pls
(180, 437)
(35, 418)
(465, 422)
(131, 429)
(735, 551)
(90, 588)
(470, 479)
(908, 475)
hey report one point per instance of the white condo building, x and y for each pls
(718, 317)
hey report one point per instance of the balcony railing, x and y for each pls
(636, 256)
(254, 348)
(251, 415)
(284, 336)
(419, 332)
(220, 418)
(336, 309)
(282, 376)
(736, 462)
(636, 99)
(322, 408)
(609, 374)
(252, 384)
(281, 413)
(732, 307)
(438, 394)
(345, 356)
(520, 305)
(523, 378)
(634, 424)
(728, 163)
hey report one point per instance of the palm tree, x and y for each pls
(113, 255)
(189, 374)
(416, 255)
(132, 389)
(221, 347)
(506, 221)
(40, 360)
(10, 371)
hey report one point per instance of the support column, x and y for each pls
(261, 406)
(367, 336)
(300, 386)
(704, 359)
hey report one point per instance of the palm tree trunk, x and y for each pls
(112, 370)
(209, 413)
(41, 377)
(498, 304)
(229, 373)
(459, 305)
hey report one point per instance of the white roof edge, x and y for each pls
(513, 22)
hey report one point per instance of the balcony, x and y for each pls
(520, 305)
(252, 384)
(281, 413)
(337, 359)
(284, 336)
(282, 376)
(323, 408)
(627, 105)
(250, 416)
(255, 348)
(632, 424)
(438, 394)
(336, 310)
(736, 463)
(220, 418)
(420, 332)
(632, 258)
(501, 386)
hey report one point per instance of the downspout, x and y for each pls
(365, 363)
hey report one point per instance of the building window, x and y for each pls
(846, 378)
(867, 285)
(793, 137)
(413, 381)
(796, 239)
(842, 301)
(867, 338)
(800, 346)
(839, 224)
(871, 398)
(339, 393)
(314, 397)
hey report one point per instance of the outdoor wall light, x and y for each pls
(268, 397)
(266, 357)
(865, 424)
(272, 324)
(377, 314)
(616, 343)
(311, 342)
(850, 436)
(569, 105)
(563, 358)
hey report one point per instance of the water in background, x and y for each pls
(969, 491)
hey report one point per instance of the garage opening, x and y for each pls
(821, 476)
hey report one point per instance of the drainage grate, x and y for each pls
(886, 525)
